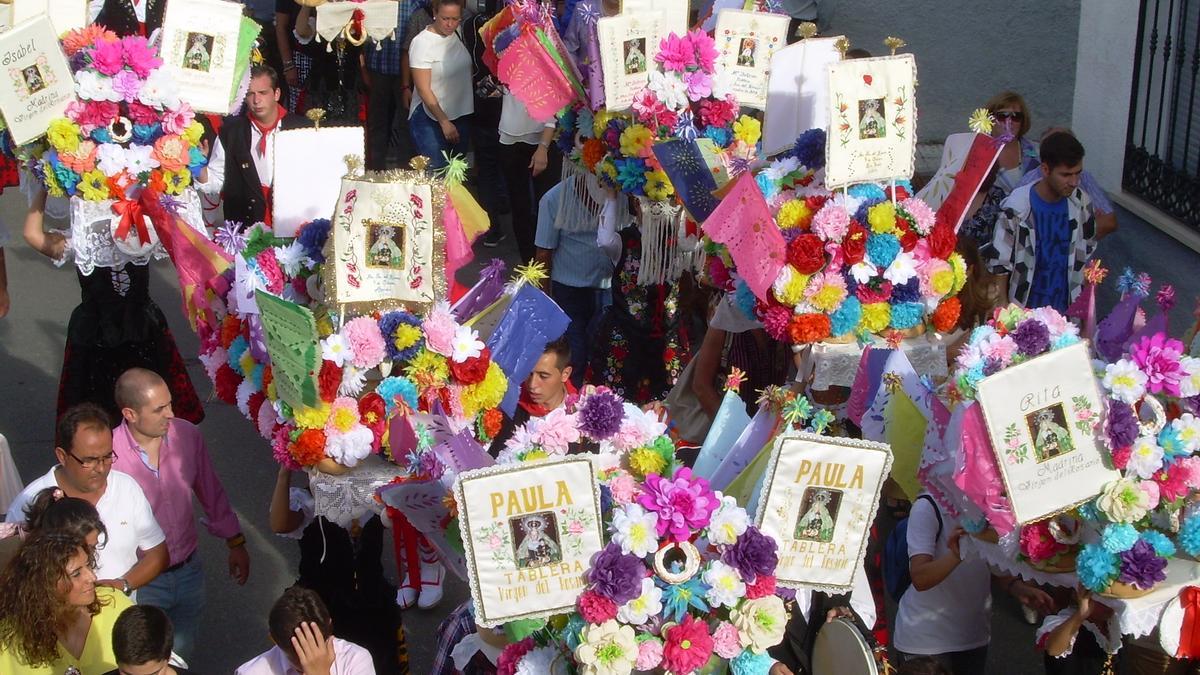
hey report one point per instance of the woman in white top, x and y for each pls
(946, 613)
(530, 166)
(441, 75)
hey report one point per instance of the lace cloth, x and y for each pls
(1109, 639)
(342, 499)
(834, 365)
(92, 242)
(997, 559)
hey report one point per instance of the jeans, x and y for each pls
(179, 593)
(525, 190)
(387, 123)
(969, 662)
(428, 139)
(584, 307)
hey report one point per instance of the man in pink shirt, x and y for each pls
(169, 460)
(302, 631)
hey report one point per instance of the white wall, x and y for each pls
(1103, 85)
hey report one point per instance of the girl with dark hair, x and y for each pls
(53, 617)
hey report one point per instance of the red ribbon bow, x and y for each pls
(132, 215)
(1189, 635)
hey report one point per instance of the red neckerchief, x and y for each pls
(536, 409)
(265, 130)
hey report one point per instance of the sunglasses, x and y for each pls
(1009, 115)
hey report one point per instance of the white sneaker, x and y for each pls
(406, 596)
(432, 576)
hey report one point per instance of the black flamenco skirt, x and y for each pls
(117, 327)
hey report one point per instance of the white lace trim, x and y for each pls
(349, 496)
(835, 365)
(92, 223)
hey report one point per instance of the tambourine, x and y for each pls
(841, 649)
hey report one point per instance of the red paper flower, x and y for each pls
(762, 586)
(945, 317)
(471, 371)
(231, 327)
(493, 420)
(869, 295)
(328, 381)
(942, 240)
(806, 328)
(595, 608)
(373, 413)
(688, 646)
(807, 253)
(854, 246)
(226, 383)
(1121, 456)
(255, 403)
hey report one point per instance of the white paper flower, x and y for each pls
(725, 585)
(634, 530)
(110, 157)
(540, 661)
(782, 167)
(1145, 459)
(607, 649)
(639, 610)
(139, 159)
(354, 380)
(1125, 381)
(337, 349)
(1189, 384)
(863, 271)
(727, 523)
(670, 89)
(1189, 432)
(467, 344)
(1122, 501)
(93, 86)
(902, 269)
(722, 85)
(349, 448)
(159, 90)
(291, 258)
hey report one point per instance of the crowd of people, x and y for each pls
(112, 522)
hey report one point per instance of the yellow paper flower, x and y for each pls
(882, 218)
(644, 461)
(875, 317)
(312, 418)
(960, 271)
(658, 186)
(747, 130)
(600, 121)
(63, 135)
(428, 369)
(485, 394)
(607, 169)
(246, 363)
(942, 282)
(324, 325)
(407, 335)
(790, 285)
(193, 133)
(271, 391)
(93, 186)
(53, 187)
(828, 298)
(981, 121)
(344, 418)
(177, 181)
(794, 213)
(534, 455)
(635, 141)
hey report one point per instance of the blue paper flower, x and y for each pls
(236, 349)
(905, 315)
(1096, 567)
(572, 631)
(312, 237)
(744, 298)
(1089, 512)
(1171, 443)
(146, 134)
(678, 597)
(388, 323)
(810, 149)
(1064, 340)
(101, 135)
(587, 123)
(845, 319)
(719, 136)
(1119, 537)
(882, 249)
(631, 174)
(392, 387)
(867, 191)
(749, 663)
(909, 291)
(767, 186)
(1189, 536)
(1162, 544)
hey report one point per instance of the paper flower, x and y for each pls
(1096, 567)
(600, 415)
(1189, 535)
(728, 523)
(556, 431)
(1031, 337)
(1118, 537)
(336, 348)
(647, 604)
(747, 129)
(1159, 542)
(725, 586)
(595, 608)
(1158, 356)
(1141, 567)
(635, 530)
(676, 53)
(1038, 544)
(688, 646)
(650, 653)
(616, 575)
(683, 503)
(1125, 381)
(1146, 457)
(1123, 502)
(726, 643)
(607, 648)
(467, 344)
(753, 554)
(760, 622)
(677, 598)
(1121, 425)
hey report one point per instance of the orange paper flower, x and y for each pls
(945, 317)
(806, 328)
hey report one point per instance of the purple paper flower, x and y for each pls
(683, 503)
(1121, 425)
(600, 415)
(127, 84)
(616, 575)
(1141, 567)
(753, 553)
(1032, 337)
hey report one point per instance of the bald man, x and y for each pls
(169, 459)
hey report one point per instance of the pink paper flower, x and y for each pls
(650, 653)
(717, 113)
(684, 503)
(1158, 356)
(268, 266)
(923, 216)
(726, 642)
(705, 48)
(595, 608)
(108, 58)
(127, 84)
(699, 84)
(439, 329)
(831, 223)
(557, 431)
(1038, 544)
(676, 53)
(1001, 349)
(1153, 493)
(93, 114)
(689, 646)
(140, 113)
(177, 121)
(623, 489)
(139, 56)
(366, 342)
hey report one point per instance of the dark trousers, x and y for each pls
(525, 190)
(967, 662)
(387, 123)
(490, 178)
(428, 139)
(583, 306)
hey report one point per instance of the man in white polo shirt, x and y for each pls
(84, 470)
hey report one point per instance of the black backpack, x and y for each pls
(895, 553)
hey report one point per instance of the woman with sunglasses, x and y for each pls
(1020, 155)
(53, 616)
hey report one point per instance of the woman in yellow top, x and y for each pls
(52, 616)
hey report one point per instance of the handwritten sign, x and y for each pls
(39, 82)
(872, 120)
(628, 45)
(529, 532)
(292, 343)
(1043, 418)
(746, 44)
(818, 501)
(675, 13)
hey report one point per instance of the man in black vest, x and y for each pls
(128, 17)
(242, 162)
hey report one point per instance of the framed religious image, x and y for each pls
(674, 13)
(199, 49)
(818, 500)
(39, 82)
(388, 247)
(65, 15)
(1043, 418)
(798, 92)
(628, 45)
(746, 45)
(872, 120)
(529, 532)
(309, 166)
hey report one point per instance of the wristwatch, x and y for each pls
(125, 587)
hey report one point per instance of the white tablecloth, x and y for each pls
(835, 365)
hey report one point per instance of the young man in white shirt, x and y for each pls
(84, 470)
(302, 631)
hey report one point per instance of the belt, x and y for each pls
(179, 565)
